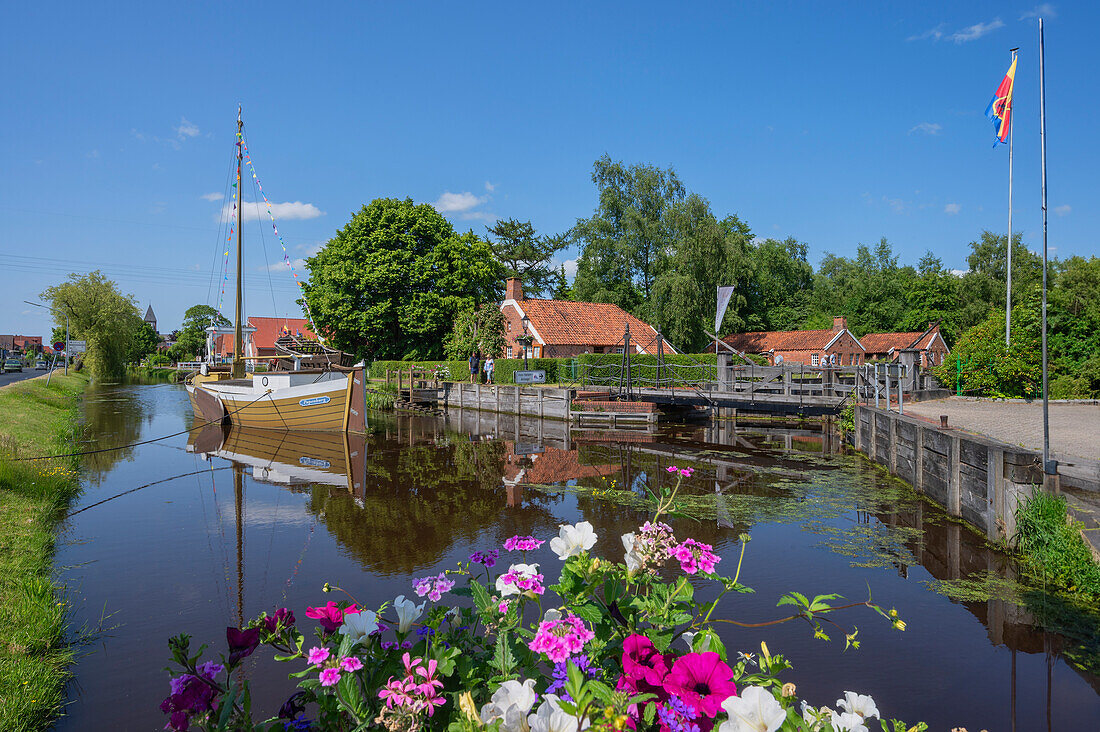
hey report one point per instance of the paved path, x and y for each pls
(12, 377)
(1074, 428)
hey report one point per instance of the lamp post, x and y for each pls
(526, 339)
(57, 312)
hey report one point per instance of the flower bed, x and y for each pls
(615, 645)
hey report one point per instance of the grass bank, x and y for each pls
(1052, 548)
(34, 657)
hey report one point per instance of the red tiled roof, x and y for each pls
(563, 322)
(883, 342)
(268, 330)
(780, 340)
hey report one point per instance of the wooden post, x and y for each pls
(400, 381)
(893, 453)
(954, 478)
(918, 460)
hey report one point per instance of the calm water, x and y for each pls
(239, 522)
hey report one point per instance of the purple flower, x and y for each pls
(282, 618)
(561, 674)
(293, 706)
(676, 715)
(241, 642)
(425, 630)
(433, 587)
(299, 724)
(489, 558)
(523, 543)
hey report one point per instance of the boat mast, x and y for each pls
(238, 335)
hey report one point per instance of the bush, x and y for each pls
(158, 359)
(1052, 547)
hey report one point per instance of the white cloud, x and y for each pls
(1063, 209)
(896, 205)
(490, 187)
(570, 268)
(186, 129)
(963, 35)
(211, 196)
(457, 202)
(951, 209)
(478, 216)
(252, 211)
(928, 128)
(976, 31)
(1039, 11)
(958, 272)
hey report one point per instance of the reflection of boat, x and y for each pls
(329, 399)
(288, 458)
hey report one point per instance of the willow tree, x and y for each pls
(100, 314)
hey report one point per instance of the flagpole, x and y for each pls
(1008, 288)
(1049, 467)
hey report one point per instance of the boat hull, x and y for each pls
(332, 405)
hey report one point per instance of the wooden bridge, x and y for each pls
(794, 389)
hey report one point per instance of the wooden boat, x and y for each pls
(288, 458)
(329, 399)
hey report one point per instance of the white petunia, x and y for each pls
(551, 718)
(572, 539)
(848, 722)
(358, 626)
(507, 582)
(632, 559)
(510, 704)
(407, 613)
(689, 638)
(860, 704)
(755, 710)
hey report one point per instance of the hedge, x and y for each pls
(590, 368)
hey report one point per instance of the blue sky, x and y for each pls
(834, 123)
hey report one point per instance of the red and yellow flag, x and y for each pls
(1000, 107)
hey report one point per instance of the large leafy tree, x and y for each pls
(630, 235)
(191, 340)
(477, 331)
(932, 297)
(392, 281)
(100, 314)
(985, 282)
(143, 342)
(527, 255)
(708, 253)
(869, 290)
(780, 292)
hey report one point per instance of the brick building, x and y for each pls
(886, 346)
(268, 330)
(21, 344)
(566, 328)
(836, 346)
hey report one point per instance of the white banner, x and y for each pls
(724, 295)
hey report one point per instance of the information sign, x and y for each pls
(529, 377)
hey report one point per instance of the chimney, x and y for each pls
(840, 324)
(514, 289)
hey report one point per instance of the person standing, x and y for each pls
(474, 364)
(489, 366)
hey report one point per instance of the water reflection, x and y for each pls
(112, 414)
(275, 515)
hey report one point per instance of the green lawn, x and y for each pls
(34, 656)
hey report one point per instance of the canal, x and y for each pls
(191, 533)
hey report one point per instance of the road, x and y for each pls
(1074, 428)
(11, 377)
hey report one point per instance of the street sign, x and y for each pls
(529, 377)
(59, 346)
(77, 347)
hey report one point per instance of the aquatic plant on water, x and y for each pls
(610, 646)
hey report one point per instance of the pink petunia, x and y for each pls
(703, 681)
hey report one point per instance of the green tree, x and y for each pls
(99, 314)
(932, 296)
(628, 238)
(984, 367)
(191, 340)
(709, 253)
(143, 342)
(526, 255)
(869, 290)
(392, 281)
(481, 331)
(985, 282)
(780, 293)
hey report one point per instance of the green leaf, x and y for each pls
(589, 611)
(503, 658)
(650, 712)
(481, 596)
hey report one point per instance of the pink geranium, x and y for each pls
(703, 681)
(330, 677)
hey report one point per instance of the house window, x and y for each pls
(815, 360)
(508, 354)
(619, 349)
